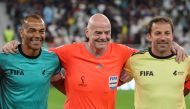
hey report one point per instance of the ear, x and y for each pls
(87, 32)
(149, 37)
(21, 32)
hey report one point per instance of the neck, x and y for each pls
(161, 54)
(30, 52)
(94, 51)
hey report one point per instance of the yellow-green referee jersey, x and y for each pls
(159, 81)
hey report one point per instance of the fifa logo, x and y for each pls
(146, 73)
(16, 72)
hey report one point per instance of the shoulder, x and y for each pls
(122, 47)
(48, 53)
(67, 47)
(2, 55)
(141, 52)
(118, 46)
(140, 55)
(9, 55)
(73, 45)
(9, 58)
(49, 57)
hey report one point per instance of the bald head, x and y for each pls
(98, 20)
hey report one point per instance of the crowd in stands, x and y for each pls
(66, 19)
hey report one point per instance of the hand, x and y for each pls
(58, 82)
(10, 47)
(180, 52)
(124, 77)
(57, 77)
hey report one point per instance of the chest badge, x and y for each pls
(113, 82)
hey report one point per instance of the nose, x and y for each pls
(163, 36)
(104, 35)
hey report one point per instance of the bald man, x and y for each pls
(92, 69)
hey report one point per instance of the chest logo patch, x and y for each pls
(82, 81)
(175, 73)
(113, 82)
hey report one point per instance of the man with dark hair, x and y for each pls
(25, 76)
(159, 79)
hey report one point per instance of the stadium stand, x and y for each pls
(66, 19)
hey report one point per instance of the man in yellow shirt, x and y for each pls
(159, 79)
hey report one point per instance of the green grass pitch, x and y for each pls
(124, 100)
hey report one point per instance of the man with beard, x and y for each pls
(159, 79)
(92, 69)
(25, 76)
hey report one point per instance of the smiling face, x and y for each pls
(161, 37)
(99, 32)
(33, 33)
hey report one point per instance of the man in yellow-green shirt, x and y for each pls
(159, 79)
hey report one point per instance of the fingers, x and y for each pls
(56, 77)
(178, 57)
(123, 77)
(10, 47)
(181, 55)
(7, 50)
(174, 51)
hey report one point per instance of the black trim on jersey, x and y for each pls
(141, 52)
(160, 57)
(30, 57)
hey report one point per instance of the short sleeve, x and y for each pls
(58, 66)
(128, 68)
(128, 52)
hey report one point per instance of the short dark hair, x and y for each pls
(161, 19)
(34, 16)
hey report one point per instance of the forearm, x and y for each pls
(59, 85)
(124, 79)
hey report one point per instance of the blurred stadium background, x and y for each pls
(66, 21)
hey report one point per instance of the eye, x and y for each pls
(98, 33)
(167, 33)
(107, 32)
(157, 33)
(42, 31)
(31, 30)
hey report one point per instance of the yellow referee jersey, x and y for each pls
(159, 81)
